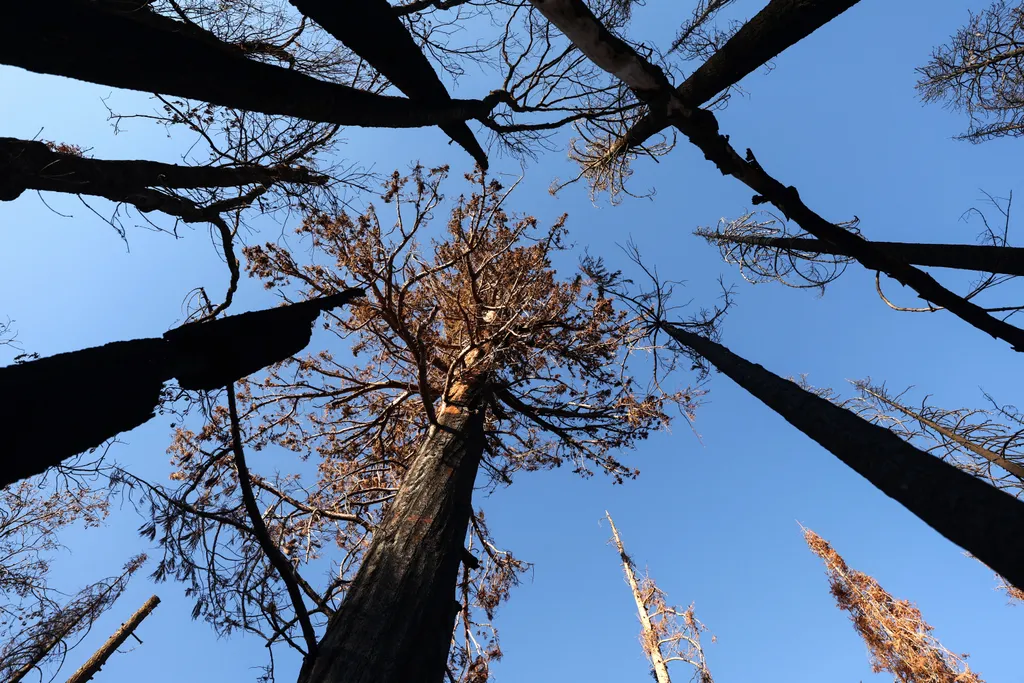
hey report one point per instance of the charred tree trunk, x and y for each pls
(395, 624)
(140, 50)
(96, 662)
(988, 259)
(777, 27)
(32, 165)
(60, 406)
(372, 30)
(967, 511)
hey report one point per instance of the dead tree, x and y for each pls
(667, 634)
(126, 379)
(49, 629)
(964, 509)
(777, 27)
(116, 639)
(980, 72)
(700, 126)
(765, 251)
(478, 361)
(899, 640)
(126, 45)
(375, 32)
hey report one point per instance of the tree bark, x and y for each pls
(96, 662)
(66, 404)
(90, 42)
(652, 645)
(372, 30)
(777, 27)
(396, 621)
(31, 165)
(972, 514)
(985, 258)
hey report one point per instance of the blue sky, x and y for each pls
(714, 518)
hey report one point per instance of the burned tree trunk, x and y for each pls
(984, 258)
(32, 165)
(974, 515)
(395, 624)
(372, 30)
(777, 27)
(96, 662)
(140, 50)
(60, 406)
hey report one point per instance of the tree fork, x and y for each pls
(967, 511)
(96, 662)
(777, 27)
(396, 621)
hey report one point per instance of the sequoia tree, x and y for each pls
(478, 359)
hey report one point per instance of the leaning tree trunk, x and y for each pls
(127, 629)
(974, 515)
(980, 257)
(142, 50)
(62, 405)
(777, 27)
(396, 621)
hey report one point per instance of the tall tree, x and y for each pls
(958, 505)
(899, 640)
(478, 357)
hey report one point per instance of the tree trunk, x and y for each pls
(967, 511)
(140, 50)
(651, 641)
(396, 621)
(989, 259)
(777, 27)
(31, 165)
(96, 662)
(372, 30)
(62, 405)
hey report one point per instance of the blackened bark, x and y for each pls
(972, 514)
(395, 624)
(989, 259)
(32, 165)
(210, 355)
(116, 639)
(88, 41)
(777, 27)
(372, 30)
(57, 407)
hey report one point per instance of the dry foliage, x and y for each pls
(478, 299)
(899, 640)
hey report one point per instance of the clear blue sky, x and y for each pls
(714, 519)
